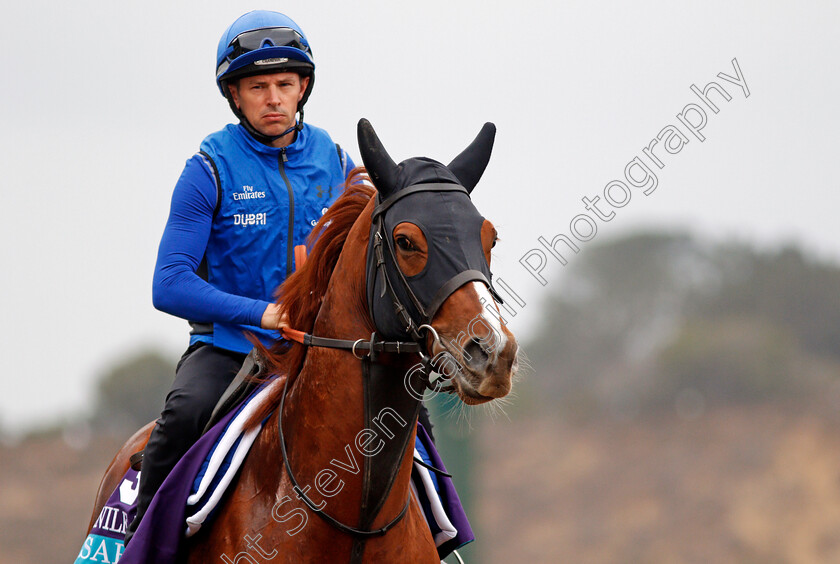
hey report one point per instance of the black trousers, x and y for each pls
(201, 377)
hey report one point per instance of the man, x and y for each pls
(252, 193)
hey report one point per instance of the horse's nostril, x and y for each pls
(474, 355)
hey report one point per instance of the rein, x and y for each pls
(373, 347)
(311, 504)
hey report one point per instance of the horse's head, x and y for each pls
(428, 265)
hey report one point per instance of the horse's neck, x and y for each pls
(326, 423)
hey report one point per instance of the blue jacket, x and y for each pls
(237, 212)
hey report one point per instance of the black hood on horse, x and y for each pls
(435, 198)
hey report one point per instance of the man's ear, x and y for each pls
(304, 84)
(234, 93)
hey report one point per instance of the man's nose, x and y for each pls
(273, 95)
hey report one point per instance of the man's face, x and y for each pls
(269, 101)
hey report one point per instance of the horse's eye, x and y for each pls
(404, 243)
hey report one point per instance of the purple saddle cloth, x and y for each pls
(159, 534)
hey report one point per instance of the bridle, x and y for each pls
(381, 244)
(368, 351)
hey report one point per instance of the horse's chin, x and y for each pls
(471, 396)
(470, 400)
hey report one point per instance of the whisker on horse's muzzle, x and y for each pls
(487, 372)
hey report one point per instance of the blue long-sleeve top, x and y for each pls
(226, 247)
(177, 288)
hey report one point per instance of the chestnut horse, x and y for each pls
(394, 280)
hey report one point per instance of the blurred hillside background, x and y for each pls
(682, 405)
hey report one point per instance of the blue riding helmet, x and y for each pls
(263, 42)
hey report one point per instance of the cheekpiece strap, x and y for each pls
(401, 311)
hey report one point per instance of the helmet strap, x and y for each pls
(267, 139)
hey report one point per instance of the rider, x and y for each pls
(252, 192)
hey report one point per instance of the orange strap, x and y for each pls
(292, 334)
(287, 332)
(300, 256)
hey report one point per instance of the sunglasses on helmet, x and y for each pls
(259, 38)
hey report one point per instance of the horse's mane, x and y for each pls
(302, 292)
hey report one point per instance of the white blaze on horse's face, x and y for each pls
(468, 323)
(485, 352)
(491, 320)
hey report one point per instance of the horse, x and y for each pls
(397, 284)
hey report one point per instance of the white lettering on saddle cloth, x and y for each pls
(100, 549)
(129, 490)
(112, 519)
(249, 218)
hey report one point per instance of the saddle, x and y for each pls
(239, 389)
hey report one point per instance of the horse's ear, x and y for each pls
(470, 164)
(379, 164)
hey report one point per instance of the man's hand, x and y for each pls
(274, 317)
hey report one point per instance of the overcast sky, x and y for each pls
(104, 101)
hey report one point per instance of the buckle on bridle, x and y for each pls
(353, 350)
(425, 359)
(432, 330)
